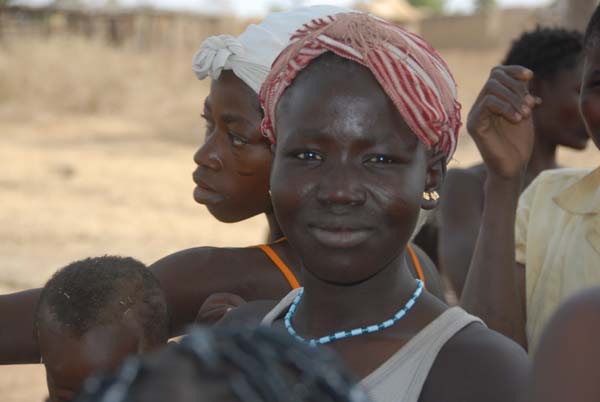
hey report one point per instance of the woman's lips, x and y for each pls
(340, 237)
(205, 194)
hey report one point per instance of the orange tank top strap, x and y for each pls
(285, 270)
(416, 263)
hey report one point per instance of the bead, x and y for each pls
(354, 332)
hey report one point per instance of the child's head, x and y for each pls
(554, 55)
(229, 365)
(589, 100)
(92, 314)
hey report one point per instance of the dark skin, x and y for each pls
(233, 162)
(505, 137)
(557, 123)
(70, 359)
(565, 365)
(347, 183)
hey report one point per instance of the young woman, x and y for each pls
(363, 116)
(516, 281)
(232, 181)
(555, 57)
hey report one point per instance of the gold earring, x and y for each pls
(435, 196)
(426, 196)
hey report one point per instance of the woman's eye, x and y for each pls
(309, 156)
(380, 159)
(236, 140)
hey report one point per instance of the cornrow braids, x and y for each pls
(546, 51)
(225, 364)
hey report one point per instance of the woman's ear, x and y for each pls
(436, 171)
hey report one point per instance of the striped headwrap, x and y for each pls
(409, 70)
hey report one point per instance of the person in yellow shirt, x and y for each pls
(557, 237)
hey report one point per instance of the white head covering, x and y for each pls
(251, 54)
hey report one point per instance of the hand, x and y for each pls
(216, 306)
(500, 121)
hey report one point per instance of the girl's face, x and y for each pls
(589, 101)
(348, 174)
(232, 177)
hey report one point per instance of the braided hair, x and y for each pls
(226, 364)
(593, 29)
(546, 51)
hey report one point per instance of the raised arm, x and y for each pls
(17, 340)
(461, 209)
(500, 123)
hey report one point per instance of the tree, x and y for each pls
(434, 6)
(485, 5)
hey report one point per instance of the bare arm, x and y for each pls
(500, 123)
(18, 344)
(461, 209)
(494, 289)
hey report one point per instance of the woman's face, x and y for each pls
(348, 174)
(589, 100)
(232, 177)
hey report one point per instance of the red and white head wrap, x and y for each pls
(408, 69)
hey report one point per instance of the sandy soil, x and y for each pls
(98, 159)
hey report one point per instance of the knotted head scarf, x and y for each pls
(251, 54)
(410, 71)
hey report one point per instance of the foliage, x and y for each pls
(434, 6)
(485, 5)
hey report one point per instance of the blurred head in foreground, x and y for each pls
(94, 313)
(229, 365)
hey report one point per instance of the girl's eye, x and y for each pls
(309, 156)
(380, 159)
(236, 140)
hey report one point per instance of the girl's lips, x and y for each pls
(206, 196)
(340, 237)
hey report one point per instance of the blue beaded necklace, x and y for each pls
(353, 332)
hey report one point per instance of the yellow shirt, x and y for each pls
(558, 240)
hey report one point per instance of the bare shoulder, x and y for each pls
(234, 270)
(478, 364)
(189, 277)
(201, 256)
(565, 366)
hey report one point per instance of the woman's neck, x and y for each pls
(327, 308)
(543, 157)
(275, 232)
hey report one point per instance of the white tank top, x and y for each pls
(402, 376)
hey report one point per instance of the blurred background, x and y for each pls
(100, 117)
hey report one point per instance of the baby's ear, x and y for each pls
(436, 171)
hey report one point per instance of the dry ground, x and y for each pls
(96, 150)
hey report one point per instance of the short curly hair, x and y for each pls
(100, 290)
(546, 51)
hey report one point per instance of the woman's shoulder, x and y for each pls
(478, 364)
(198, 257)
